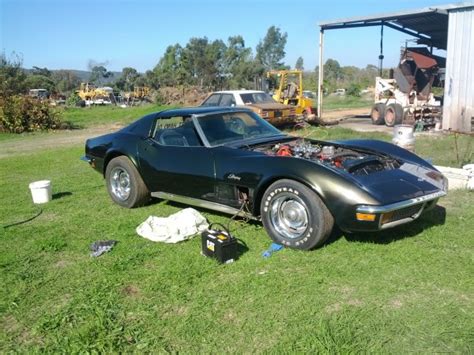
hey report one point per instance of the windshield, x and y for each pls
(232, 127)
(256, 98)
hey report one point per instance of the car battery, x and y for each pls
(219, 244)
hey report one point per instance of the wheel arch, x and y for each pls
(260, 191)
(111, 154)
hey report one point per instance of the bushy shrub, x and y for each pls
(159, 98)
(353, 90)
(73, 100)
(20, 114)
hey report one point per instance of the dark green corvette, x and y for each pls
(232, 160)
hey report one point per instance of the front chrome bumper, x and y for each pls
(397, 213)
(86, 159)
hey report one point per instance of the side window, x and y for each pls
(227, 100)
(212, 100)
(176, 131)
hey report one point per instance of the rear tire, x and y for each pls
(393, 115)
(377, 113)
(124, 183)
(294, 216)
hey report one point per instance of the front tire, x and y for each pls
(294, 216)
(393, 115)
(377, 113)
(124, 183)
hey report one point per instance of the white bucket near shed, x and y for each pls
(403, 137)
(41, 191)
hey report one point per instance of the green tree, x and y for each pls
(12, 76)
(169, 71)
(128, 79)
(66, 81)
(37, 81)
(332, 74)
(99, 73)
(299, 64)
(150, 79)
(271, 50)
(240, 65)
(214, 72)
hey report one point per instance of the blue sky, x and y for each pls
(68, 34)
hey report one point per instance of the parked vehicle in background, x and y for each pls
(289, 91)
(407, 97)
(40, 94)
(92, 95)
(258, 101)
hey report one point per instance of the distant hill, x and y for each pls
(84, 75)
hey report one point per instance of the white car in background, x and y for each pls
(258, 101)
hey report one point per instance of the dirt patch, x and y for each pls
(10, 324)
(335, 307)
(346, 299)
(14, 329)
(55, 139)
(396, 303)
(61, 264)
(131, 291)
(341, 114)
(185, 96)
(344, 291)
(175, 311)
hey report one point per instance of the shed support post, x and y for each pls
(321, 74)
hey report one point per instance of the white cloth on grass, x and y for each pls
(173, 229)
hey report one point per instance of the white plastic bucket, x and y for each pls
(403, 137)
(41, 191)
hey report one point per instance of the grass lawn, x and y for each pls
(89, 116)
(335, 102)
(407, 289)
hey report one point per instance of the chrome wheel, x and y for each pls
(289, 215)
(120, 183)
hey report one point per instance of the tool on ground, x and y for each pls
(273, 248)
(102, 246)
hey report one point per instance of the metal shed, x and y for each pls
(449, 27)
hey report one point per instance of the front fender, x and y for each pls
(126, 146)
(338, 192)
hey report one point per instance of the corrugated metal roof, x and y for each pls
(429, 25)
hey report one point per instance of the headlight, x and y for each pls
(445, 184)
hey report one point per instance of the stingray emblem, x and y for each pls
(233, 177)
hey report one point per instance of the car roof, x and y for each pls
(238, 92)
(199, 110)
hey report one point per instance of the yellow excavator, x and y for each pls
(139, 93)
(90, 94)
(289, 91)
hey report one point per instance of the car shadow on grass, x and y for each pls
(429, 219)
(59, 195)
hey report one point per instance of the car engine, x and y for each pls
(352, 161)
